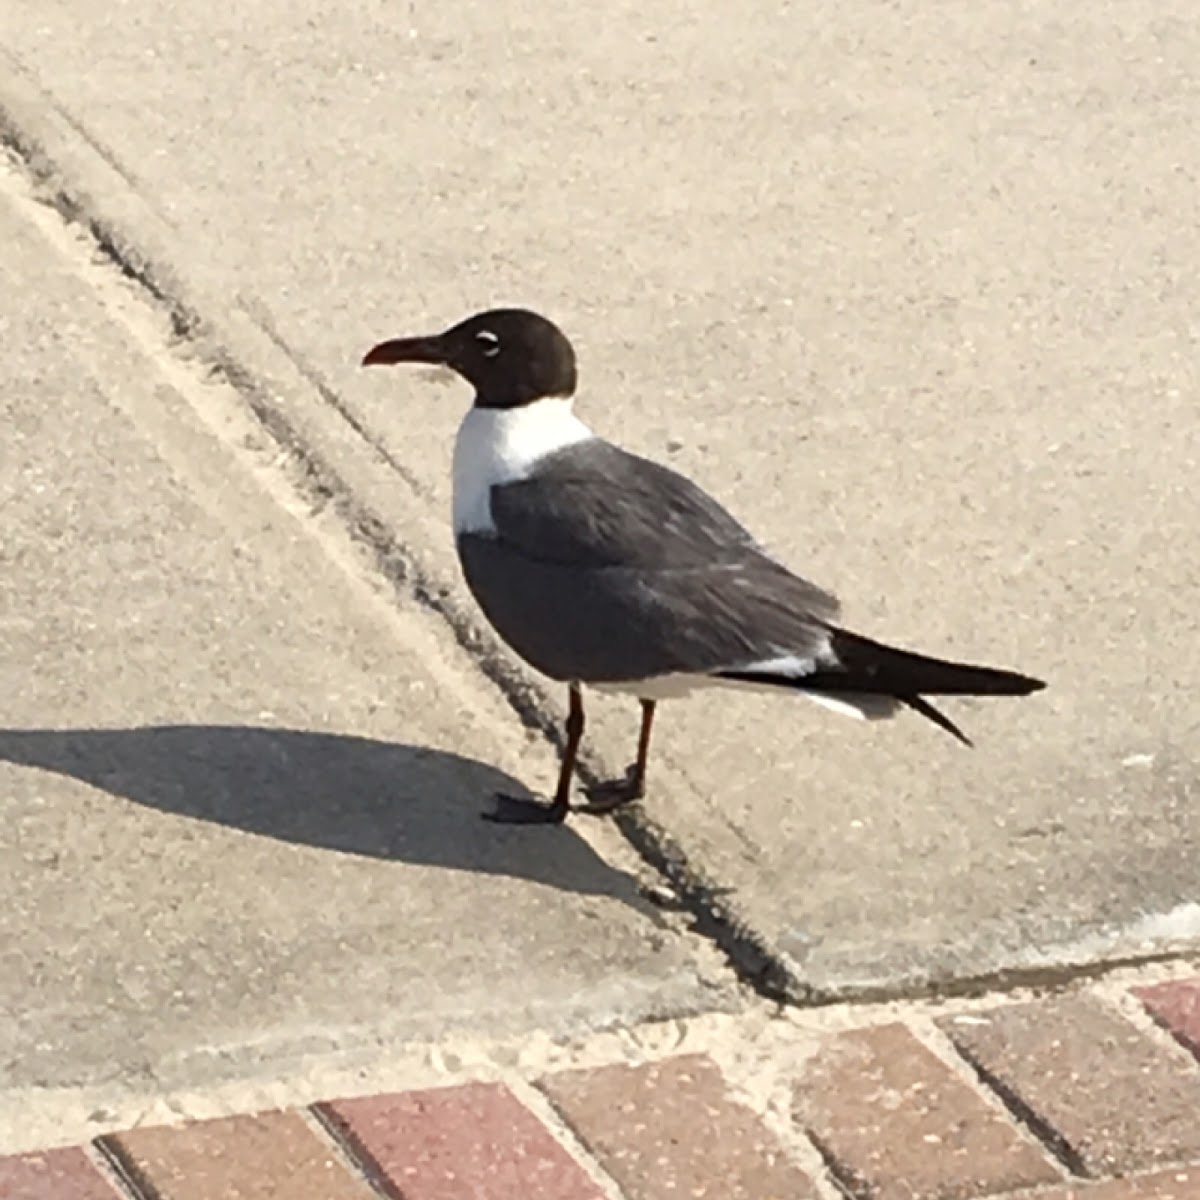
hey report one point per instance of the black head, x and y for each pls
(510, 355)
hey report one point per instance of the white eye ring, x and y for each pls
(490, 342)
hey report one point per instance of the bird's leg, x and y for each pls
(605, 797)
(517, 810)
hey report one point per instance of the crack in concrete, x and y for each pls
(320, 486)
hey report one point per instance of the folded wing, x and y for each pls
(607, 567)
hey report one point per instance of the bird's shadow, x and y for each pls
(356, 795)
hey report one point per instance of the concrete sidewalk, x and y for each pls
(241, 786)
(910, 289)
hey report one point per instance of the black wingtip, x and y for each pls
(1011, 683)
(921, 705)
(1003, 683)
(871, 666)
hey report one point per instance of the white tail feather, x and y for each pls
(856, 704)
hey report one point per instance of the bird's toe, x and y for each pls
(611, 794)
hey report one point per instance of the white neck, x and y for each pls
(502, 445)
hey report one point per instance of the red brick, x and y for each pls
(271, 1156)
(671, 1131)
(1104, 1093)
(1176, 1006)
(895, 1121)
(460, 1143)
(53, 1175)
(1182, 1184)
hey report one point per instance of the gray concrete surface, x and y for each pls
(911, 287)
(239, 788)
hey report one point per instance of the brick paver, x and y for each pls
(1109, 1096)
(1067, 1100)
(54, 1175)
(460, 1143)
(670, 1130)
(272, 1156)
(895, 1122)
(1176, 1006)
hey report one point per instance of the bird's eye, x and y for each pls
(488, 342)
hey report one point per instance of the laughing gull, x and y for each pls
(602, 568)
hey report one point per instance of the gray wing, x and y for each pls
(607, 567)
(596, 505)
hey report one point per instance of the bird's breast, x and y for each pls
(495, 446)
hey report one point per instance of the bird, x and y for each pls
(607, 570)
